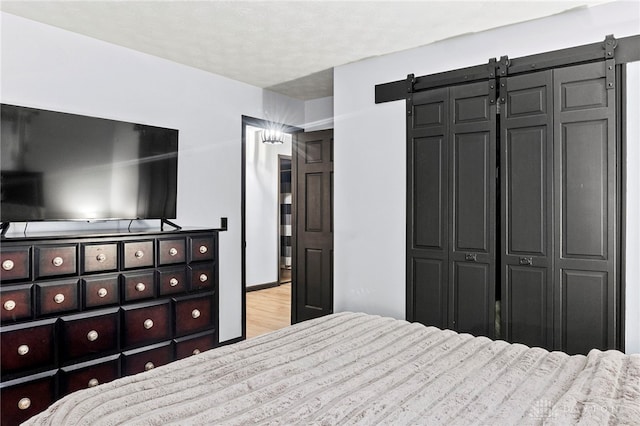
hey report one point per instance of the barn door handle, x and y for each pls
(471, 257)
(526, 261)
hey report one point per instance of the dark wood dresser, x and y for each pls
(78, 311)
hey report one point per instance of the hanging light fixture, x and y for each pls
(272, 136)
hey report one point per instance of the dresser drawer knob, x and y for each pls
(102, 292)
(92, 336)
(140, 287)
(173, 251)
(9, 305)
(195, 314)
(139, 254)
(93, 383)
(203, 277)
(149, 366)
(58, 298)
(101, 257)
(24, 403)
(196, 351)
(57, 261)
(203, 249)
(148, 323)
(23, 350)
(173, 282)
(8, 265)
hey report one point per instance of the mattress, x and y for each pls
(353, 368)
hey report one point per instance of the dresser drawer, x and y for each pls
(138, 285)
(57, 296)
(85, 335)
(194, 313)
(16, 302)
(89, 374)
(15, 263)
(55, 260)
(26, 397)
(171, 251)
(27, 346)
(146, 323)
(195, 344)
(100, 257)
(201, 248)
(145, 359)
(172, 280)
(202, 276)
(101, 291)
(138, 254)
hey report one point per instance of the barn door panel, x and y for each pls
(472, 177)
(427, 209)
(526, 173)
(586, 283)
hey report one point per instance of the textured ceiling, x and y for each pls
(288, 47)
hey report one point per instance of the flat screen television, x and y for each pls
(60, 166)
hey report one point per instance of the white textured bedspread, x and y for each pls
(359, 369)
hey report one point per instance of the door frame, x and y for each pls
(254, 122)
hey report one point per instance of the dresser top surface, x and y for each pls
(101, 234)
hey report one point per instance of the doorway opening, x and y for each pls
(266, 228)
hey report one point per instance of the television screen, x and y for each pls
(59, 166)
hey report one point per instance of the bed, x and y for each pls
(354, 368)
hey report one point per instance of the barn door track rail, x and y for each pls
(613, 51)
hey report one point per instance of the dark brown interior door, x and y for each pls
(312, 216)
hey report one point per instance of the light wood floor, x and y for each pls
(268, 310)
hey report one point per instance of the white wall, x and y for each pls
(262, 216)
(46, 67)
(318, 114)
(370, 153)
(632, 314)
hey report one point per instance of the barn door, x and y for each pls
(312, 214)
(548, 199)
(559, 189)
(451, 208)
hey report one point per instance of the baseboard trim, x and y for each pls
(262, 286)
(231, 342)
